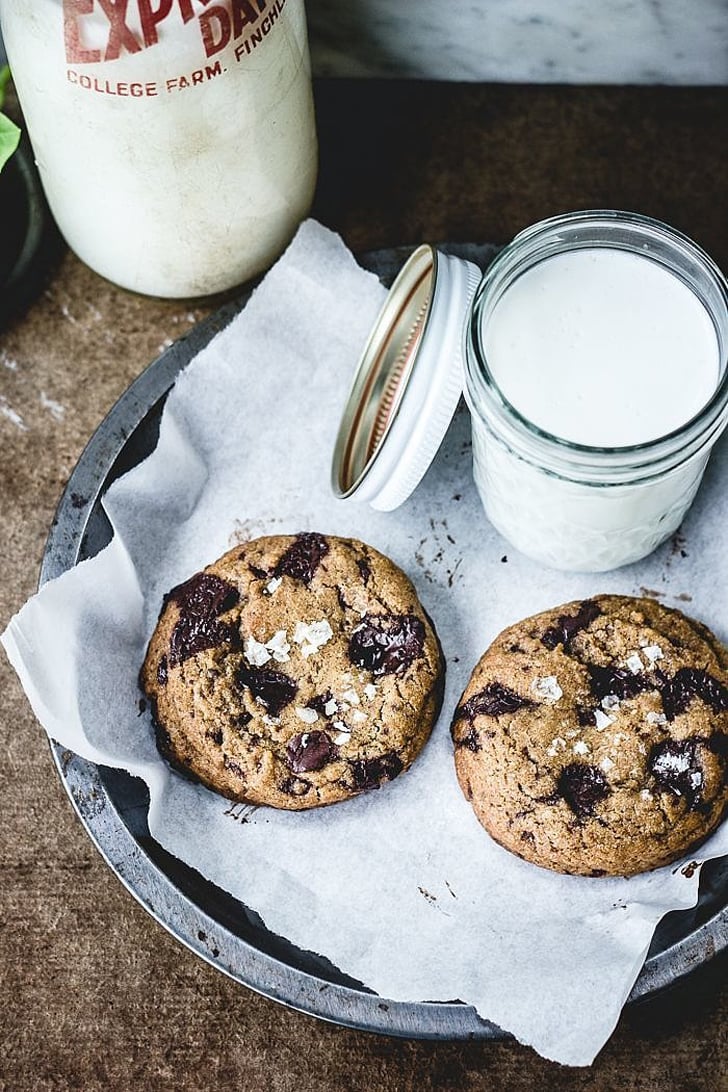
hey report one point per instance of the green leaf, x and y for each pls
(9, 132)
(9, 139)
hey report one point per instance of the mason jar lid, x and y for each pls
(407, 383)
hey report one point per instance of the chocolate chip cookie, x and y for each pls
(295, 671)
(593, 738)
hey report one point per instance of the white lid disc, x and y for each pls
(407, 383)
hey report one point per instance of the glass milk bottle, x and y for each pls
(175, 139)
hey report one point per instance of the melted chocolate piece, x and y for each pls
(387, 644)
(303, 557)
(619, 681)
(310, 751)
(273, 688)
(201, 599)
(204, 595)
(492, 701)
(216, 736)
(162, 671)
(676, 767)
(369, 773)
(192, 635)
(582, 787)
(568, 625)
(689, 683)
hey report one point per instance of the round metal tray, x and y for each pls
(113, 806)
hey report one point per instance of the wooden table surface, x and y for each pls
(96, 995)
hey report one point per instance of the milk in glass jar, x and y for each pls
(593, 355)
(175, 139)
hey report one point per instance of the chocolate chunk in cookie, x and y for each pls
(272, 689)
(492, 701)
(302, 558)
(387, 644)
(582, 787)
(310, 751)
(201, 600)
(567, 626)
(689, 683)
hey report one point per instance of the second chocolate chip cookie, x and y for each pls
(593, 738)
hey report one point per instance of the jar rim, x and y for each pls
(555, 453)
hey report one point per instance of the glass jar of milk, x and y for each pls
(596, 372)
(175, 139)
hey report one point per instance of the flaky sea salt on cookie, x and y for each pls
(593, 738)
(295, 671)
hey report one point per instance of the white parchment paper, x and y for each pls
(400, 888)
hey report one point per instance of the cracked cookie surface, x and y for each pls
(593, 738)
(295, 671)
